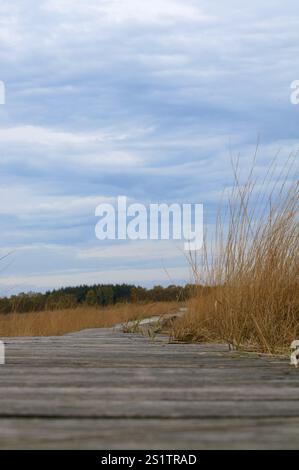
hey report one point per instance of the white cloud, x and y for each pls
(72, 149)
(23, 201)
(47, 136)
(71, 278)
(138, 250)
(120, 11)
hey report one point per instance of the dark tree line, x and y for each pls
(98, 295)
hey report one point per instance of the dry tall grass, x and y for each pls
(252, 267)
(55, 323)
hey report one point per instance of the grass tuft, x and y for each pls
(251, 267)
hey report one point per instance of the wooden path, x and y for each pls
(103, 389)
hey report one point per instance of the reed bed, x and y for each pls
(251, 266)
(59, 322)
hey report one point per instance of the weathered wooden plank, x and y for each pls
(140, 377)
(69, 406)
(129, 392)
(105, 389)
(149, 433)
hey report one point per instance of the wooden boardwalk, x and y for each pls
(103, 389)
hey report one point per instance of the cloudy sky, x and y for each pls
(136, 98)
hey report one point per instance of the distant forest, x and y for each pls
(98, 295)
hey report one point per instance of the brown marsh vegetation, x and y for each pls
(59, 322)
(251, 267)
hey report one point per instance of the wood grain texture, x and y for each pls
(108, 390)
